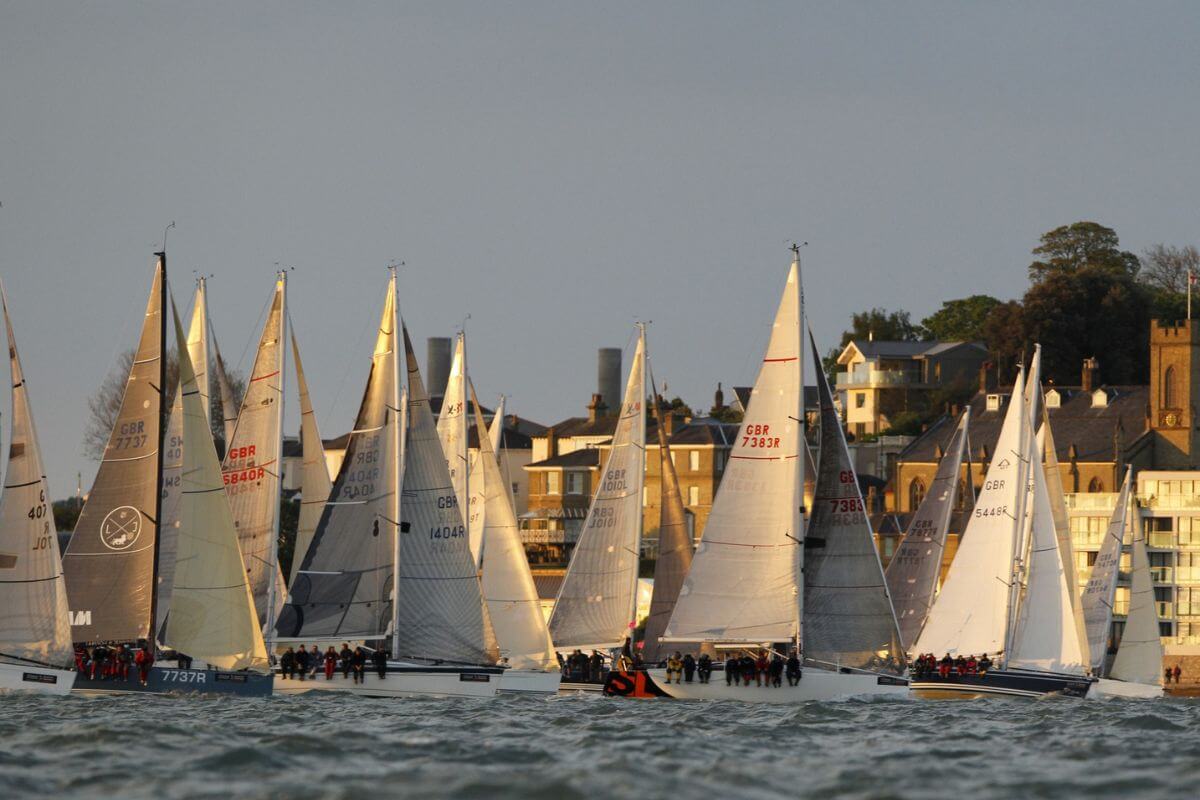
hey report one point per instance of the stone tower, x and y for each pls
(1174, 393)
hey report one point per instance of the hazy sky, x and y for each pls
(558, 170)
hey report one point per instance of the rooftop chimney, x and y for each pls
(439, 352)
(718, 398)
(987, 377)
(551, 442)
(608, 382)
(1091, 371)
(596, 408)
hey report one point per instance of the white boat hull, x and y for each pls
(815, 684)
(529, 681)
(403, 679)
(1108, 687)
(35, 679)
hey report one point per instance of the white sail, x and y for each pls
(1101, 589)
(34, 622)
(441, 613)
(744, 582)
(596, 603)
(452, 432)
(970, 613)
(251, 469)
(1139, 657)
(315, 484)
(1062, 529)
(1045, 636)
(212, 615)
(508, 588)
(197, 349)
(496, 429)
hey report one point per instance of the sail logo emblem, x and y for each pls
(121, 528)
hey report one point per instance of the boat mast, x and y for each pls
(269, 635)
(152, 632)
(1026, 476)
(801, 444)
(641, 516)
(465, 447)
(399, 430)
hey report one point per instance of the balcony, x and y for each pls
(1181, 501)
(1091, 501)
(864, 377)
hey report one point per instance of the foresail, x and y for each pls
(848, 617)
(452, 433)
(1101, 589)
(343, 587)
(229, 408)
(508, 589)
(596, 602)
(251, 470)
(109, 564)
(674, 551)
(441, 613)
(496, 429)
(34, 622)
(212, 614)
(1062, 529)
(970, 614)
(915, 568)
(744, 582)
(315, 484)
(1140, 655)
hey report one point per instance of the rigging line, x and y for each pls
(262, 314)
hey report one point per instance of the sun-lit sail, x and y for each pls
(1101, 589)
(315, 484)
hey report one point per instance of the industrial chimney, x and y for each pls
(438, 355)
(609, 380)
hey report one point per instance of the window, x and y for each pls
(674, 463)
(1170, 394)
(574, 483)
(1188, 570)
(860, 399)
(1187, 602)
(552, 479)
(1164, 629)
(916, 493)
(694, 460)
(1096, 485)
(693, 495)
(719, 459)
(516, 489)
(645, 496)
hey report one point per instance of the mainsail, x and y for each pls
(496, 429)
(251, 468)
(744, 583)
(34, 622)
(109, 564)
(315, 484)
(343, 587)
(1140, 655)
(1062, 529)
(848, 617)
(212, 614)
(970, 613)
(915, 568)
(197, 350)
(508, 588)
(1101, 589)
(441, 613)
(674, 549)
(596, 603)
(452, 432)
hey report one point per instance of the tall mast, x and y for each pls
(399, 430)
(801, 444)
(162, 430)
(465, 454)
(641, 517)
(1025, 472)
(269, 635)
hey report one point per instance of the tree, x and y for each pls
(1004, 333)
(1166, 268)
(875, 323)
(1071, 248)
(960, 320)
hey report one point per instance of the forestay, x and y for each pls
(1140, 656)
(1101, 589)
(596, 602)
(848, 616)
(34, 622)
(441, 611)
(343, 588)
(251, 469)
(970, 613)
(915, 568)
(109, 564)
(508, 589)
(212, 614)
(744, 583)
(315, 484)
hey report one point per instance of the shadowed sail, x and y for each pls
(597, 600)
(34, 622)
(315, 484)
(109, 564)
(1139, 658)
(1101, 590)
(212, 614)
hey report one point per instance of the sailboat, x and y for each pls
(315, 484)
(1006, 595)
(915, 569)
(35, 630)
(507, 584)
(452, 429)
(758, 580)
(389, 558)
(1136, 670)
(597, 601)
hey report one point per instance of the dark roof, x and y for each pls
(291, 447)
(1075, 422)
(742, 395)
(582, 426)
(509, 439)
(583, 457)
(701, 430)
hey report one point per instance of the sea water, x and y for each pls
(588, 746)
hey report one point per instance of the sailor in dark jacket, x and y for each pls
(379, 657)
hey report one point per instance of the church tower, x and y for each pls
(1174, 393)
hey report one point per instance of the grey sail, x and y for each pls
(34, 626)
(674, 552)
(229, 407)
(913, 573)
(109, 564)
(1101, 589)
(848, 619)
(315, 485)
(344, 585)
(441, 613)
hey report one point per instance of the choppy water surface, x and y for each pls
(592, 747)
